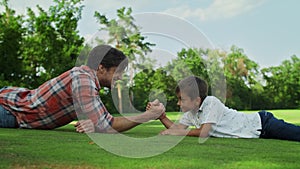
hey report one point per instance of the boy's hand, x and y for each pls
(148, 107)
(174, 132)
(85, 126)
(155, 109)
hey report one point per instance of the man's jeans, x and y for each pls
(7, 120)
(274, 128)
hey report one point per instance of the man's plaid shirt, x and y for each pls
(58, 101)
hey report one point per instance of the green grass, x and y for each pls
(64, 148)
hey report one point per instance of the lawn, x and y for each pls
(64, 148)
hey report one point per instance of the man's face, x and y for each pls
(186, 103)
(108, 76)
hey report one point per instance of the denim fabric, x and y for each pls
(273, 128)
(7, 120)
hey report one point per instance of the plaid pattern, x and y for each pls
(58, 101)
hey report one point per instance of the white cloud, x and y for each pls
(218, 9)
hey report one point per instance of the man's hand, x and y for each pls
(149, 105)
(85, 126)
(154, 110)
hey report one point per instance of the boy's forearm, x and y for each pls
(202, 132)
(167, 122)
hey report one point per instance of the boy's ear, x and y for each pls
(198, 101)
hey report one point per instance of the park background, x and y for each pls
(43, 43)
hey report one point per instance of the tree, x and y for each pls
(154, 84)
(11, 32)
(189, 62)
(204, 63)
(283, 84)
(52, 42)
(124, 34)
(241, 74)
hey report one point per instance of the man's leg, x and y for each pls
(7, 120)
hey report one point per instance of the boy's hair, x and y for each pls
(106, 56)
(193, 87)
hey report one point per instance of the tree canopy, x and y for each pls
(39, 46)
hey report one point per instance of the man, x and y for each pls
(73, 95)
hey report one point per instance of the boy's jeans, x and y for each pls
(7, 120)
(274, 128)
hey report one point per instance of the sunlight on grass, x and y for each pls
(64, 148)
(253, 164)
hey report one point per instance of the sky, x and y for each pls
(267, 30)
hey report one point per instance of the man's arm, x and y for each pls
(120, 124)
(203, 131)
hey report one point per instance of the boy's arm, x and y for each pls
(170, 124)
(203, 131)
(166, 121)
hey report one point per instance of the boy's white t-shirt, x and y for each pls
(225, 122)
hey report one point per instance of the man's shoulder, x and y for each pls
(82, 70)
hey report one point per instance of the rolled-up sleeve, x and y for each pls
(87, 102)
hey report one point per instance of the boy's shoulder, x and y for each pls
(210, 101)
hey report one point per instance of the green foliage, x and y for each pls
(52, 43)
(125, 35)
(189, 62)
(11, 37)
(283, 84)
(150, 85)
(241, 74)
(40, 46)
(206, 64)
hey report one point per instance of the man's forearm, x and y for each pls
(121, 124)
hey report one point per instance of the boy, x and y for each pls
(212, 118)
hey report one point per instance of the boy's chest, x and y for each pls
(196, 119)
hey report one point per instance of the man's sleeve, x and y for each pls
(87, 102)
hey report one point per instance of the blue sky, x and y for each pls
(267, 30)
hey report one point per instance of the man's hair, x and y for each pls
(193, 87)
(107, 56)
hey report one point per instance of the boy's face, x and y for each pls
(186, 103)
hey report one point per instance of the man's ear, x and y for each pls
(101, 69)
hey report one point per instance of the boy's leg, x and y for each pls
(7, 120)
(274, 128)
